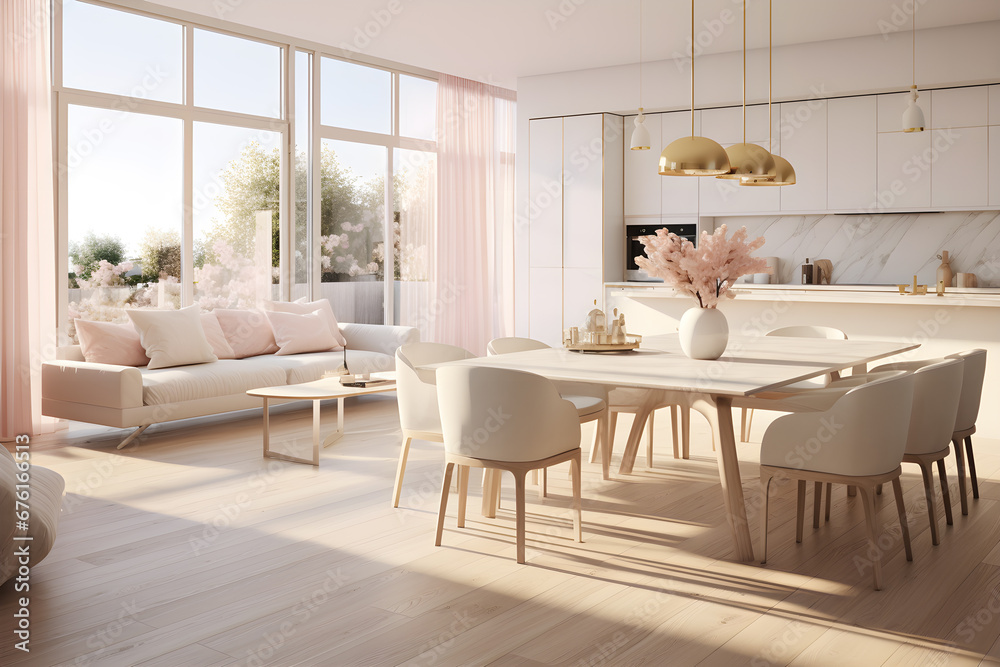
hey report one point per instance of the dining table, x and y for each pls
(752, 365)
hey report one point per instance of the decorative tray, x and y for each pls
(598, 348)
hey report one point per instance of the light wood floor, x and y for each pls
(192, 550)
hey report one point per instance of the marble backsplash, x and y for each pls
(880, 249)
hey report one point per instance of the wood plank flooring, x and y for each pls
(189, 549)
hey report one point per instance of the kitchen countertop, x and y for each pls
(870, 294)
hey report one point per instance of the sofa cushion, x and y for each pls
(308, 367)
(302, 306)
(216, 336)
(108, 343)
(247, 331)
(219, 378)
(172, 337)
(298, 334)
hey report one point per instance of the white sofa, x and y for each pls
(126, 396)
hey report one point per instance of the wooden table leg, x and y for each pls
(339, 433)
(653, 398)
(719, 412)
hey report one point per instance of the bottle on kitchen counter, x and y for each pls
(807, 273)
(944, 273)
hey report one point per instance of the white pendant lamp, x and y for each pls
(747, 160)
(640, 135)
(913, 117)
(693, 156)
(783, 173)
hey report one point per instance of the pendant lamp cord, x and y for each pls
(692, 68)
(913, 41)
(744, 71)
(640, 54)
(770, 140)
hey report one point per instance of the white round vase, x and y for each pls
(704, 333)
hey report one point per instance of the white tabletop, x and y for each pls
(318, 390)
(750, 365)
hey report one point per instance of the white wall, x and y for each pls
(954, 55)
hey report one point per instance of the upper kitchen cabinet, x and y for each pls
(994, 165)
(852, 153)
(959, 166)
(583, 190)
(679, 195)
(904, 170)
(545, 192)
(959, 107)
(722, 196)
(803, 143)
(642, 181)
(959, 152)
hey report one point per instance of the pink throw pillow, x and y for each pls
(110, 343)
(296, 333)
(216, 337)
(247, 331)
(302, 308)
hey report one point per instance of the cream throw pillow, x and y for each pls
(247, 331)
(172, 337)
(296, 333)
(301, 308)
(109, 343)
(216, 337)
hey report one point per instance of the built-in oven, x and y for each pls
(634, 247)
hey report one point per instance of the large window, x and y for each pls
(213, 167)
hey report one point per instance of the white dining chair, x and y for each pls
(799, 331)
(502, 419)
(859, 441)
(416, 395)
(619, 399)
(974, 373)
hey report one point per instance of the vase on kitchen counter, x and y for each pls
(944, 270)
(706, 272)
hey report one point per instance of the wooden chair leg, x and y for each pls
(543, 487)
(463, 493)
(491, 491)
(599, 444)
(852, 491)
(749, 424)
(443, 508)
(817, 502)
(685, 432)
(878, 489)
(829, 501)
(743, 424)
(574, 467)
(868, 499)
(925, 471)
(972, 467)
(945, 495)
(765, 484)
(649, 438)
(897, 492)
(800, 510)
(607, 435)
(397, 488)
(675, 431)
(960, 464)
(519, 510)
(534, 477)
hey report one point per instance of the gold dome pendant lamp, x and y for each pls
(913, 117)
(783, 173)
(640, 135)
(693, 156)
(747, 160)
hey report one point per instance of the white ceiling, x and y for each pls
(500, 40)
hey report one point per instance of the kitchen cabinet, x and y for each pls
(575, 195)
(994, 104)
(545, 192)
(852, 153)
(959, 166)
(803, 143)
(960, 107)
(904, 169)
(994, 173)
(642, 181)
(583, 191)
(544, 315)
(679, 194)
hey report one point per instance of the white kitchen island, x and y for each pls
(960, 320)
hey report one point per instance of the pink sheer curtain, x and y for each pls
(472, 287)
(27, 239)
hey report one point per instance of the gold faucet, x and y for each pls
(917, 289)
